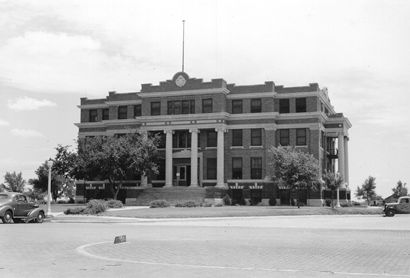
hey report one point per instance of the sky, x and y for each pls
(52, 53)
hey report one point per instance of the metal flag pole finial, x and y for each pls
(183, 43)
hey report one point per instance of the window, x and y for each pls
(256, 167)
(211, 138)
(155, 108)
(284, 106)
(236, 168)
(301, 137)
(236, 137)
(256, 137)
(256, 105)
(105, 114)
(93, 116)
(322, 138)
(177, 107)
(207, 105)
(181, 139)
(211, 168)
(237, 106)
(284, 137)
(122, 112)
(300, 105)
(137, 110)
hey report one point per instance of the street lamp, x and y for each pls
(49, 164)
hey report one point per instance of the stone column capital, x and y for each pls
(168, 131)
(192, 130)
(221, 129)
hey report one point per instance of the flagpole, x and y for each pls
(183, 43)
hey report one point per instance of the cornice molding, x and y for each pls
(123, 102)
(251, 95)
(93, 106)
(184, 92)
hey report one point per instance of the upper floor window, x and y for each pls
(284, 137)
(176, 107)
(236, 106)
(322, 138)
(236, 168)
(211, 138)
(284, 105)
(137, 110)
(207, 105)
(256, 167)
(300, 105)
(155, 108)
(301, 137)
(181, 139)
(256, 137)
(93, 115)
(105, 114)
(236, 137)
(256, 105)
(122, 112)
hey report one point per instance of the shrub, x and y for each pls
(215, 192)
(254, 201)
(206, 204)
(272, 201)
(61, 202)
(227, 200)
(159, 204)
(114, 204)
(219, 205)
(76, 210)
(95, 207)
(187, 204)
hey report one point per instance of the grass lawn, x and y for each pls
(238, 211)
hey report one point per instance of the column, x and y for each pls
(194, 157)
(340, 162)
(346, 157)
(220, 161)
(168, 158)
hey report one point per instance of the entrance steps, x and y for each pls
(174, 195)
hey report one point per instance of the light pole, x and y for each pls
(49, 164)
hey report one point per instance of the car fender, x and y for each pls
(34, 213)
(5, 208)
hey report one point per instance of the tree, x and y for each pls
(332, 182)
(297, 169)
(64, 164)
(399, 190)
(367, 191)
(116, 159)
(41, 182)
(13, 182)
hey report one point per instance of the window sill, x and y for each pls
(256, 147)
(210, 148)
(237, 147)
(301, 146)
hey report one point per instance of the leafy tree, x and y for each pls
(297, 169)
(13, 182)
(399, 190)
(116, 158)
(367, 191)
(64, 164)
(332, 182)
(41, 182)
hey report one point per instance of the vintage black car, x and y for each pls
(401, 206)
(14, 207)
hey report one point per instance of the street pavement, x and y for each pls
(285, 246)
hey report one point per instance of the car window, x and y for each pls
(404, 200)
(4, 196)
(21, 198)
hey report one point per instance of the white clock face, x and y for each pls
(180, 81)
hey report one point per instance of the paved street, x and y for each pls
(291, 246)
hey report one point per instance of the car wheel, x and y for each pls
(7, 217)
(40, 217)
(389, 213)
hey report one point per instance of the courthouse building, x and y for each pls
(216, 133)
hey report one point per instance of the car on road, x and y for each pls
(14, 207)
(401, 206)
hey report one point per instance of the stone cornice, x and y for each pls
(93, 106)
(251, 95)
(124, 102)
(185, 92)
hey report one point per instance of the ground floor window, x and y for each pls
(256, 167)
(211, 168)
(237, 168)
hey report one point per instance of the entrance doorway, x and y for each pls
(182, 175)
